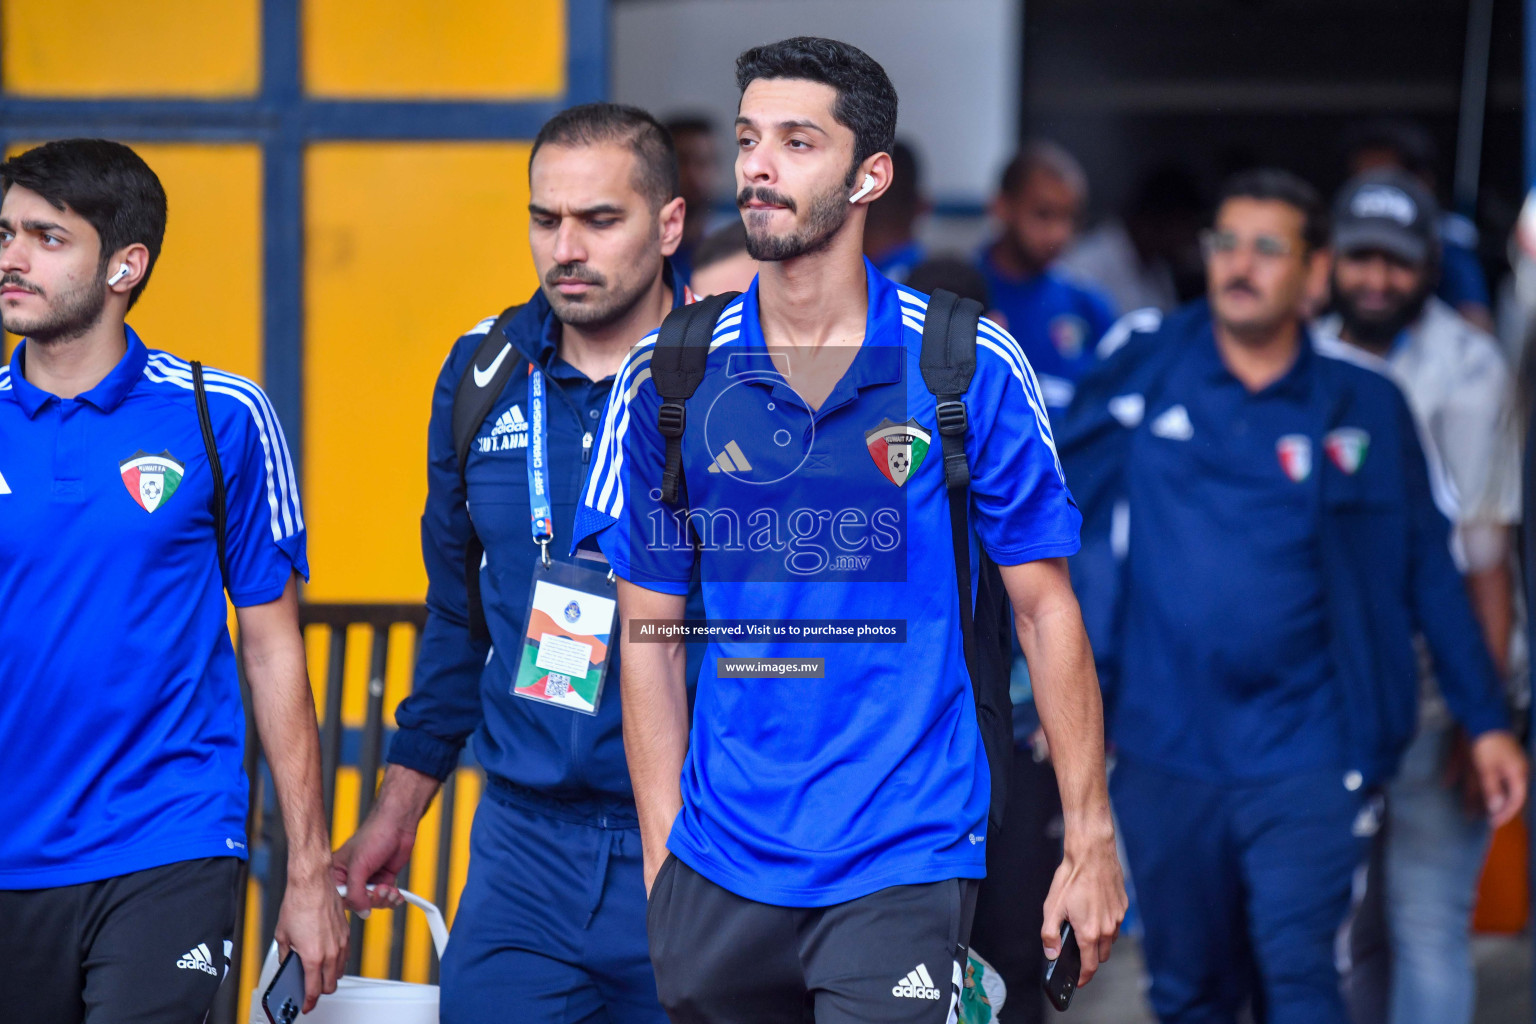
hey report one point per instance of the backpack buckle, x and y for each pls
(670, 419)
(952, 418)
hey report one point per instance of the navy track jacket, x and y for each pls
(1384, 545)
(461, 686)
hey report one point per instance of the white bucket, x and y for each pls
(368, 1000)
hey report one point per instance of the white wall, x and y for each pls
(955, 64)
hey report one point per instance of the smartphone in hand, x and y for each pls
(284, 998)
(1061, 974)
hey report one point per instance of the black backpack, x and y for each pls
(472, 403)
(948, 362)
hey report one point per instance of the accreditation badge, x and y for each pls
(571, 618)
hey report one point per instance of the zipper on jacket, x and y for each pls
(586, 448)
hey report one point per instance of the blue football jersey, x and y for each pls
(810, 792)
(121, 726)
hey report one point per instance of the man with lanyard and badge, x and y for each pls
(136, 489)
(828, 815)
(517, 643)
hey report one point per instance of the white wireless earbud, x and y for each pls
(123, 271)
(864, 189)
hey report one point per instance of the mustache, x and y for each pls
(1242, 284)
(764, 195)
(574, 272)
(20, 282)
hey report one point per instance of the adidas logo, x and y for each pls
(509, 431)
(916, 985)
(198, 959)
(732, 460)
(509, 421)
(1174, 424)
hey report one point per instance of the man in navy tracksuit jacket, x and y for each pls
(551, 923)
(1261, 546)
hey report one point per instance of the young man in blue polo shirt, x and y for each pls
(1279, 547)
(122, 786)
(552, 919)
(824, 832)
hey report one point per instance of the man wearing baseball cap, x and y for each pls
(1386, 266)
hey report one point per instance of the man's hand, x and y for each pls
(655, 720)
(1088, 891)
(313, 923)
(377, 852)
(1503, 772)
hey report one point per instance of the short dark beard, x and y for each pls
(1378, 332)
(595, 312)
(76, 313)
(827, 214)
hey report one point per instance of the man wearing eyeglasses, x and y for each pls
(1276, 548)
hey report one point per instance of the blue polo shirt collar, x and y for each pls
(1295, 382)
(881, 358)
(106, 396)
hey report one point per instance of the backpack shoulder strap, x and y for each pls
(948, 362)
(479, 388)
(677, 368)
(481, 384)
(211, 450)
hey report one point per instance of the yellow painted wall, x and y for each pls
(420, 49)
(99, 48)
(407, 246)
(203, 300)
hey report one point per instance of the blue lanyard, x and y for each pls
(538, 464)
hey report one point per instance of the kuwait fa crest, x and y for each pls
(151, 479)
(1347, 447)
(897, 448)
(1295, 452)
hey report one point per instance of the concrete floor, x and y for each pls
(1503, 986)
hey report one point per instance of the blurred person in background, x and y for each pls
(1386, 255)
(1058, 323)
(952, 273)
(721, 263)
(1408, 147)
(1149, 256)
(698, 179)
(1280, 549)
(552, 918)
(890, 233)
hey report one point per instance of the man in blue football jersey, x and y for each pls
(122, 785)
(1058, 322)
(825, 833)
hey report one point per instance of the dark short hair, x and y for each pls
(1047, 157)
(1270, 183)
(720, 245)
(689, 124)
(593, 124)
(952, 273)
(866, 99)
(103, 181)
